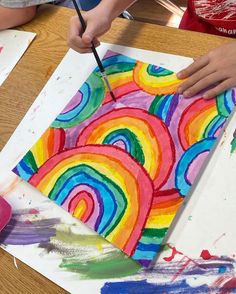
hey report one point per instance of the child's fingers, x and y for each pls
(79, 42)
(196, 77)
(80, 50)
(87, 41)
(90, 33)
(75, 28)
(203, 83)
(96, 42)
(195, 66)
(223, 86)
(75, 39)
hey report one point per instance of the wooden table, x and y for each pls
(32, 73)
(152, 12)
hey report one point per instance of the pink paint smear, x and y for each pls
(5, 213)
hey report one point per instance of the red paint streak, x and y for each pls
(182, 264)
(226, 284)
(33, 211)
(229, 286)
(205, 254)
(182, 268)
(173, 254)
(1, 48)
(27, 222)
(219, 282)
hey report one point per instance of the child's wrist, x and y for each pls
(108, 10)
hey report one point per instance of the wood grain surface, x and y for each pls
(33, 71)
(152, 12)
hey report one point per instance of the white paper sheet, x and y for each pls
(12, 46)
(206, 223)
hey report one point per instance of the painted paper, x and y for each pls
(125, 167)
(12, 46)
(63, 249)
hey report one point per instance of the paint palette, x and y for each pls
(123, 168)
(5, 213)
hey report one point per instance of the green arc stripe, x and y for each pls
(135, 146)
(30, 161)
(119, 68)
(163, 73)
(116, 191)
(151, 240)
(153, 109)
(160, 233)
(97, 95)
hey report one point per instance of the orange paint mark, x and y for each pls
(11, 187)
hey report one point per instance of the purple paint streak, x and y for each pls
(28, 232)
(173, 106)
(74, 102)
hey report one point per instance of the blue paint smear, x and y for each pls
(143, 287)
(222, 269)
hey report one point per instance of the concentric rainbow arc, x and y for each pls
(103, 185)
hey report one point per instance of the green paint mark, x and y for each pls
(233, 143)
(156, 103)
(110, 265)
(162, 72)
(213, 125)
(224, 103)
(151, 240)
(65, 235)
(87, 260)
(233, 146)
(30, 161)
(93, 94)
(119, 67)
(155, 232)
(133, 144)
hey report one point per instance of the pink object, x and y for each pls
(5, 213)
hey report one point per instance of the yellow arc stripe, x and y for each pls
(114, 171)
(138, 127)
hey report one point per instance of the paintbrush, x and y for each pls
(102, 69)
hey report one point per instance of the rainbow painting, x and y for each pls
(124, 168)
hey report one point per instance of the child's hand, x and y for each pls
(217, 70)
(97, 25)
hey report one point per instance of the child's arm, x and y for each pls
(98, 22)
(217, 70)
(11, 17)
